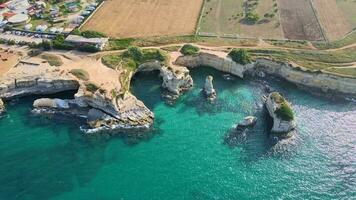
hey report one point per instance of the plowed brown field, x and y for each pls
(299, 20)
(332, 19)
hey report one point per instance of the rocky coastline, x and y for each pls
(105, 109)
(319, 81)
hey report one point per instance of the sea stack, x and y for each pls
(209, 88)
(281, 112)
(2, 107)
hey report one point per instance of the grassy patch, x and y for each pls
(80, 73)
(52, 60)
(111, 61)
(119, 44)
(284, 111)
(348, 40)
(289, 44)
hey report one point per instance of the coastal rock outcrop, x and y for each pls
(2, 107)
(281, 113)
(102, 113)
(209, 90)
(176, 79)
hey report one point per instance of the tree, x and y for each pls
(252, 17)
(240, 56)
(189, 49)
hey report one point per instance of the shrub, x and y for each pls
(91, 34)
(79, 73)
(285, 112)
(189, 49)
(52, 60)
(133, 52)
(88, 48)
(252, 17)
(240, 56)
(91, 87)
(46, 45)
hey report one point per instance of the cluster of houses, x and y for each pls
(16, 12)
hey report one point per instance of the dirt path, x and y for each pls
(217, 16)
(342, 48)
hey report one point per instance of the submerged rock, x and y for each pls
(247, 121)
(2, 107)
(209, 90)
(282, 114)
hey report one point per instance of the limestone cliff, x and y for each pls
(2, 106)
(322, 81)
(219, 61)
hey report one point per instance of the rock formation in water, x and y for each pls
(247, 121)
(209, 90)
(176, 79)
(282, 114)
(2, 107)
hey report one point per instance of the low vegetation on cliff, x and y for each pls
(80, 74)
(240, 56)
(284, 111)
(189, 50)
(52, 60)
(133, 57)
(128, 61)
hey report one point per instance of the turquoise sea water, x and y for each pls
(192, 153)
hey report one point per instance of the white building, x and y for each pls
(79, 40)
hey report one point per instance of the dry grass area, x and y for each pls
(332, 19)
(142, 18)
(299, 20)
(266, 27)
(225, 18)
(8, 59)
(348, 8)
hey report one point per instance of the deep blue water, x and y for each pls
(191, 153)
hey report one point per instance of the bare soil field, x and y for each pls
(299, 20)
(348, 8)
(332, 19)
(8, 59)
(143, 18)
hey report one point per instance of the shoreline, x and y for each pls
(125, 111)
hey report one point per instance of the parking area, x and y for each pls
(24, 37)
